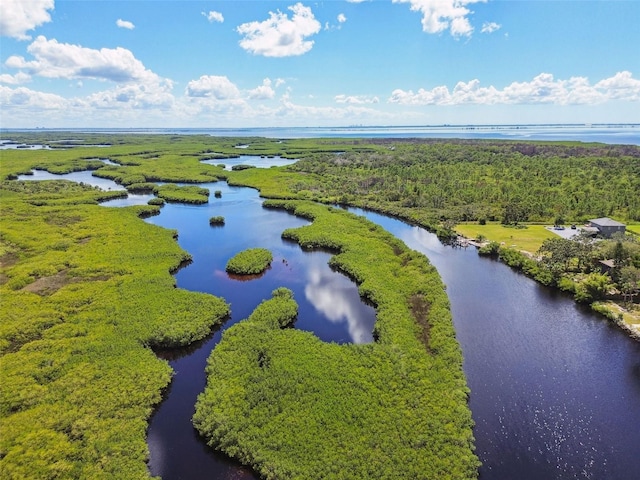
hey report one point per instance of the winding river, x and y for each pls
(555, 389)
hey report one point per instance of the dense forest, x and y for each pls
(484, 180)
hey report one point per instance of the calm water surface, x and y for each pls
(329, 306)
(254, 160)
(555, 390)
(605, 133)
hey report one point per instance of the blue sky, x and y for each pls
(248, 63)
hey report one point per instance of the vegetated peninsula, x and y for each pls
(292, 406)
(84, 299)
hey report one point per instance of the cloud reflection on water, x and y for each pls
(337, 298)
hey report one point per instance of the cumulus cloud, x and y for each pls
(20, 16)
(263, 92)
(213, 16)
(16, 79)
(622, 86)
(212, 86)
(291, 112)
(125, 24)
(23, 97)
(133, 96)
(137, 87)
(279, 35)
(440, 15)
(490, 27)
(124, 102)
(356, 99)
(63, 60)
(542, 89)
(342, 18)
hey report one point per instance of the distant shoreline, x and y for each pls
(606, 133)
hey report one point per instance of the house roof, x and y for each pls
(606, 222)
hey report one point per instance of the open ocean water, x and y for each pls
(628, 134)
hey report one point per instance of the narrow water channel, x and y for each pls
(329, 306)
(555, 389)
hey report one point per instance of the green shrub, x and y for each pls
(490, 249)
(182, 194)
(250, 262)
(216, 221)
(291, 406)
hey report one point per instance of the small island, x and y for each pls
(216, 221)
(252, 261)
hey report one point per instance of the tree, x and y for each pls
(556, 254)
(629, 282)
(594, 287)
(620, 260)
(515, 212)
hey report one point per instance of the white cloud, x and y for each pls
(280, 36)
(213, 16)
(342, 18)
(131, 103)
(490, 27)
(356, 99)
(622, 86)
(440, 15)
(133, 96)
(63, 60)
(137, 87)
(20, 16)
(25, 98)
(292, 113)
(125, 24)
(212, 86)
(543, 89)
(16, 79)
(263, 92)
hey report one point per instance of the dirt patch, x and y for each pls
(61, 219)
(8, 259)
(420, 310)
(48, 285)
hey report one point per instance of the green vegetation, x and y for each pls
(217, 220)
(83, 300)
(438, 183)
(292, 406)
(185, 194)
(250, 262)
(576, 266)
(156, 201)
(473, 180)
(529, 238)
(242, 167)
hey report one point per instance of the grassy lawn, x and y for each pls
(529, 239)
(633, 228)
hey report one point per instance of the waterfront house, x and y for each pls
(607, 227)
